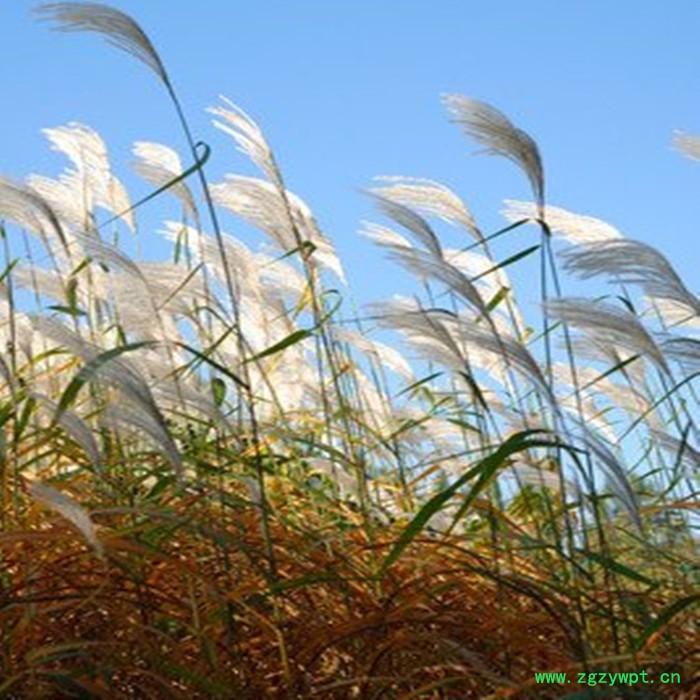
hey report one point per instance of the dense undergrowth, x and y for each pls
(217, 484)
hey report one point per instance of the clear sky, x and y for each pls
(346, 91)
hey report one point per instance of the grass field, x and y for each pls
(221, 480)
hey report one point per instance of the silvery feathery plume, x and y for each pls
(151, 423)
(514, 417)
(480, 269)
(613, 469)
(152, 303)
(607, 326)
(28, 209)
(288, 392)
(237, 264)
(158, 165)
(21, 335)
(635, 370)
(280, 278)
(585, 407)
(386, 355)
(413, 222)
(491, 281)
(685, 351)
(581, 404)
(262, 205)
(675, 314)
(108, 254)
(67, 507)
(118, 28)
(430, 198)
(93, 175)
(426, 331)
(621, 396)
(249, 137)
(117, 370)
(687, 144)
(44, 282)
(375, 409)
(122, 374)
(575, 228)
(174, 396)
(491, 128)
(682, 452)
(141, 293)
(383, 236)
(444, 435)
(137, 313)
(138, 295)
(172, 287)
(632, 262)
(65, 197)
(428, 266)
(510, 351)
(445, 337)
(259, 279)
(75, 426)
(123, 32)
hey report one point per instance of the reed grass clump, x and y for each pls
(219, 482)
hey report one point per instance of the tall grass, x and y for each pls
(218, 482)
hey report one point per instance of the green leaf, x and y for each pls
(81, 266)
(484, 470)
(497, 298)
(420, 383)
(198, 165)
(616, 566)
(497, 234)
(508, 261)
(291, 339)
(25, 415)
(88, 372)
(666, 615)
(72, 687)
(70, 310)
(305, 249)
(218, 389)
(615, 368)
(8, 268)
(476, 390)
(213, 363)
(657, 403)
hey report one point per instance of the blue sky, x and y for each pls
(346, 91)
